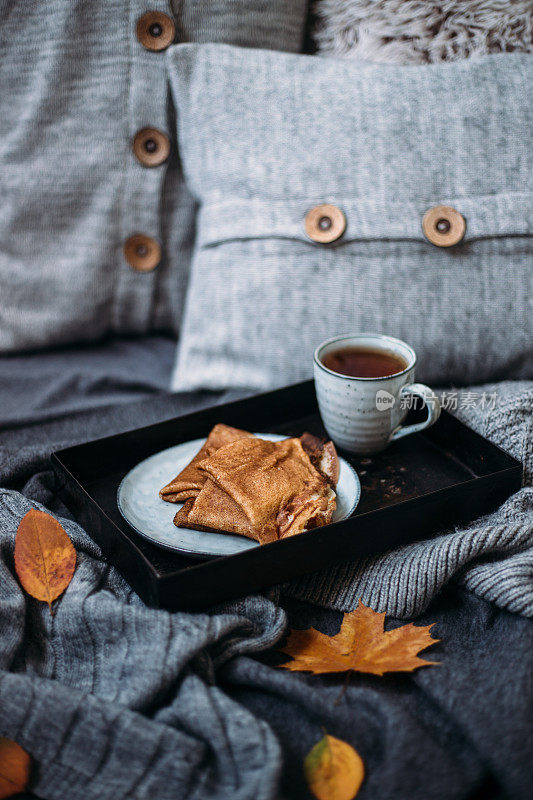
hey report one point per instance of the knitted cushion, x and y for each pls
(265, 137)
(77, 87)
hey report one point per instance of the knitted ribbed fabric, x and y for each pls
(492, 557)
(115, 700)
(92, 706)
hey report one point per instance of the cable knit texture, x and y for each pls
(116, 700)
(492, 557)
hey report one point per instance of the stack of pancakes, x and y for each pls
(238, 483)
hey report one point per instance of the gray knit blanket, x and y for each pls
(492, 557)
(117, 700)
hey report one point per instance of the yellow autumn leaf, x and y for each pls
(45, 558)
(334, 770)
(14, 768)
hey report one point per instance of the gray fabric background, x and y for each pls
(76, 87)
(264, 137)
(113, 699)
(48, 385)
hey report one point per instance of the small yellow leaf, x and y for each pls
(334, 770)
(14, 768)
(45, 558)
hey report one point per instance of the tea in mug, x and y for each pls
(359, 362)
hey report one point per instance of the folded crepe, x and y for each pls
(190, 480)
(263, 490)
(323, 456)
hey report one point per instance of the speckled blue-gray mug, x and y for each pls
(364, 415)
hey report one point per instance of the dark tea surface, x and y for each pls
(364, 363)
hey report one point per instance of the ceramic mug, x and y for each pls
(364, 415)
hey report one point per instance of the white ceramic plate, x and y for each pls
(140, 505)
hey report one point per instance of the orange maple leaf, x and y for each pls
(362, 644)
(45, 558)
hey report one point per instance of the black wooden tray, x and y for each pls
(420, 485)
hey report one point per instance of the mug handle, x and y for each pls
(432, 404)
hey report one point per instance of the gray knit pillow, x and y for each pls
(265, 137)
(81, 89)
